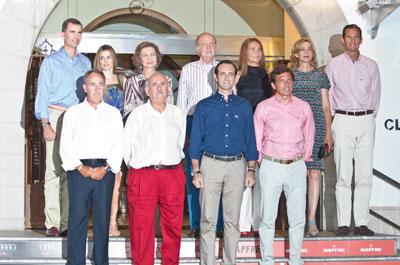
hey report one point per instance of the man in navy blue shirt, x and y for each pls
(223, 138)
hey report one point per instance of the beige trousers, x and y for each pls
(55, 182)
(226, 178)
(354, 139)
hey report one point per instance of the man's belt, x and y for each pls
(224, 158)
(159, 167)
(57, 107)
(96, 162)
(282, 161)
(354, 113)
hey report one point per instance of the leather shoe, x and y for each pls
(363, 230)
(194, 233)
(52, 232)
(64, 233)
(343, 231)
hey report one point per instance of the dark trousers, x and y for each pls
(83, 193)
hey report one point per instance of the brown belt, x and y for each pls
(282, 161)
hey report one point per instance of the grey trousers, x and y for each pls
(292, 179)
(226, 178)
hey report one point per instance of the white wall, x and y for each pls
(385, 50)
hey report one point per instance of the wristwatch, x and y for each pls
(45, 124)
(194, 173)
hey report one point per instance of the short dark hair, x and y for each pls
(351, 26)
(93, 71)
(280, 70)
(70, 20)
(137, 60)
(224, 62)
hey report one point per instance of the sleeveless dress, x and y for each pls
(307, 86)
(114, 94)
(254, 86)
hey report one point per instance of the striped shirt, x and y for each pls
(196, 83)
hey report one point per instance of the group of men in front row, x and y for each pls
(226, 144)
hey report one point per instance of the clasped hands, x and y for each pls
(96, 173)
(249, 180)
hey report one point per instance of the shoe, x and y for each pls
(64, 233)
(343, 231)
(194, 233)
(312, 228)
(363, 230)
(219, 234)
(52, 232)
(113, 231)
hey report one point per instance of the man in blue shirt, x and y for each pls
(57, 83)
(223, 138)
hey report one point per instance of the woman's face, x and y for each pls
(305, 53)
(106, 60)
(148, 58)
(254, 54)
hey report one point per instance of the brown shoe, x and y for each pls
(363, 230)
(343, 231)
(52, 232)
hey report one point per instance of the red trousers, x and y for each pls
(146, 189)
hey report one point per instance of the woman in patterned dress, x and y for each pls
(147, 58)
(106, 61)
(312, 85)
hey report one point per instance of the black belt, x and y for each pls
(354, 113)
(224, 158)
(158, 167)
(97, 162)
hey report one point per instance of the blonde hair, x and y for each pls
(294, 60)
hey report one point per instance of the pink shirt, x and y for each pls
(284, 130)
(354, 86)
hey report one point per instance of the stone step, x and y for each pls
(241, 261)
(119, 248)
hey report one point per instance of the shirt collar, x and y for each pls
(278, 99)
(100, 106)
(65, 54)
(153, 110)
(213, 63)
(348, 58)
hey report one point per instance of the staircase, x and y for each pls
(29, 247)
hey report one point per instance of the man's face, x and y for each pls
(283, 84)
(351, 40)
(225, 77)
(94, 88)
(72, 35)
(157, 89)
(206, 47)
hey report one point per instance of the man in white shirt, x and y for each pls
(196, 83)
(154, 139)
(91, 151)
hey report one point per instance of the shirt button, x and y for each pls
(226, 135)
(226, 125)
(226, 105)
(226, 146)
(226, 115)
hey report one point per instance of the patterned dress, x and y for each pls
(114, 94)
(307, 86)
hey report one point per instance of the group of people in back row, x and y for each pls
(236, 128)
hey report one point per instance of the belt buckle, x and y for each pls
(157, 167)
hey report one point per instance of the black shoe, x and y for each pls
(219, 234)
(64, 233)
(52, 232)
(343, 231)
(194, 233)
(363, 230)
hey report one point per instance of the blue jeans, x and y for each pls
(83, 193)
(192, 191)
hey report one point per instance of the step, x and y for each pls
(119, 247)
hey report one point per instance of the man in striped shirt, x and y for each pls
(196, 83)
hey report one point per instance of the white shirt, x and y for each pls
(89, 133)
(196, 83)
(154, 138)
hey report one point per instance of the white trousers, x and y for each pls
(292, 179)
(354, 139)
(55, 181)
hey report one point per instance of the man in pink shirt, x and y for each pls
(355, 93)
(284, 127)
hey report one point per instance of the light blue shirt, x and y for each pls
(57, 82)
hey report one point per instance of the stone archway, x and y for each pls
(21, 22)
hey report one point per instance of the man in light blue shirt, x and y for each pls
(58, 77)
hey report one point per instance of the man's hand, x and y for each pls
(249, 180)
(98, 173)
(48, 133)
(85, 171)
(329, 141)
(198, 181)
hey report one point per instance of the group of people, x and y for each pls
(237, 129)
